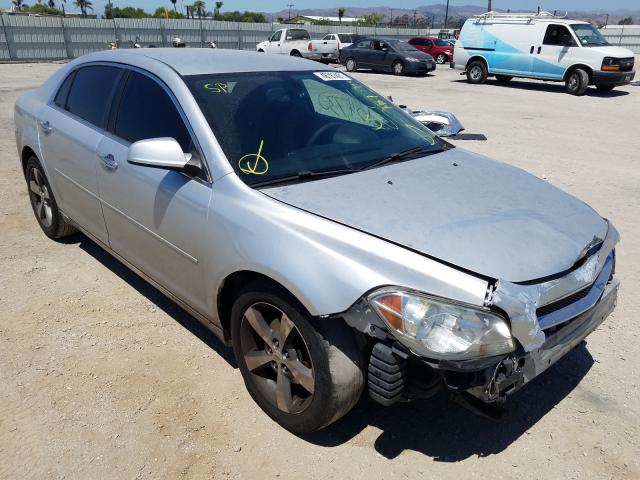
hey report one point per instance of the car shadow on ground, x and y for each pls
(552, 87)
(436, 427)
(154, 295)
(447, 432)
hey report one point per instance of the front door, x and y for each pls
(156, 218)
(70, 130)
(552, 56)
(275, 42)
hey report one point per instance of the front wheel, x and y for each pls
(441, 58)
(351, 65)
(398, 68)
(477, 72)
(577, 82)
(43, 202)
(303, 372)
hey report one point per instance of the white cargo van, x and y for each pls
(540, 46)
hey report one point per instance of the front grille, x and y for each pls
(626, 64)
(563, 302)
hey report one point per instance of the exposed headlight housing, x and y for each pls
(611, 64)
(439, 329)
(412, 59)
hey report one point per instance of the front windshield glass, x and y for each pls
(589, 35)
(274, 125)
(402, 46)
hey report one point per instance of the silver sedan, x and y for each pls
(336, 243)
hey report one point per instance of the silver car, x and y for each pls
(335, 242)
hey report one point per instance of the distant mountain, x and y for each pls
(437, 13)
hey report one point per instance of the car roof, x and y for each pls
(199, 61)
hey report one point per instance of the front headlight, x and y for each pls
(413, 59)
(438, 329)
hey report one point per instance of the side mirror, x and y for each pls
(163, 153)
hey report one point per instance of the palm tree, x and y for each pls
(217, 10)
(18, 4)
(340, 14)
(199, 7)
(174, 5)
(84, 5)
(52, 3)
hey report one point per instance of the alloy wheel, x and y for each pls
(442, 58)
(351, 65)
(277, 357)
(475, 73)
(40, 198)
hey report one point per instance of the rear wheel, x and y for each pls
(503, 78)
(351, 65)
(43, 202)
(398, 68)
(477, 72)
(296, 53)
(441, 58)
(577, 82)
(605, 88)
(304, 374)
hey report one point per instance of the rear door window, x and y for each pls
(91, 93)
(147, 111)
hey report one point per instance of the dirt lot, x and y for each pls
(103, 377)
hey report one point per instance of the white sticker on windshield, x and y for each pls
(327, 76)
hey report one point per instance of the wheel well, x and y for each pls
(478, 58)
(261, 51)
(295, 52)
(586, 68)
(231, 288)
(27, 153)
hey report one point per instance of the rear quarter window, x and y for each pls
(61, 97)
(91, 92)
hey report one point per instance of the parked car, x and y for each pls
(544, 47)
(290, 41)
(388, 55)
(441, 50)
(331, 239)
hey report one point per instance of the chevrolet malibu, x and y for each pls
(333, 241)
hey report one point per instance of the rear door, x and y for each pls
(553, 53)
(71, 128)
(156, 218)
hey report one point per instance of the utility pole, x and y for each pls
(415, 12)
(489, 6)
(606, 21)
(391, 18)
(289, 5)
(446, 15)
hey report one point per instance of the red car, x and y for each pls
(438, 49)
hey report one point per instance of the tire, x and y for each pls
(577, 82)
(605, 88)
(321, 353)
(441, 58)
(477, 72)
(296, 53)
(351, 64)
(397, 68)
(503, 78)
(44, 203)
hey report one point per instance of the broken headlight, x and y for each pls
(438, 329)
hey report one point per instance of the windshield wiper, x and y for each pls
(414, 152)
(304, 175)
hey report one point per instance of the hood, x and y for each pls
(461, 208)
(612, 51)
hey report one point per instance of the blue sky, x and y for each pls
(274, 5)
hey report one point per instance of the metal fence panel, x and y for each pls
(623, 36)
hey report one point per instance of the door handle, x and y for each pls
(46, 127)
(532, 47)
(539, 49)
(108, 161)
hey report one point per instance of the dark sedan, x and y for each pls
(387, 55)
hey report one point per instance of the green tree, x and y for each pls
(126, 12)
(247, 17)
(19, 5)
(175, 9)
(162, 13)
(199, 8)
(626, 21)
(340, 14)
(216, 11)
(84, 6)
(371, 19)
(41, 9)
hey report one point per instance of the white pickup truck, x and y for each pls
(331, 44)
(290, 41)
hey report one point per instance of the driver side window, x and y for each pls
(558, 35)
(276, 36)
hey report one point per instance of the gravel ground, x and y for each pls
(103, 377)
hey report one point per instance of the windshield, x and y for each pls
(274, 125)
(588, 35)
(401, 46)
(441, 43)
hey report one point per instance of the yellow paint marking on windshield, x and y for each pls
(259, 166)
(217, 87)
